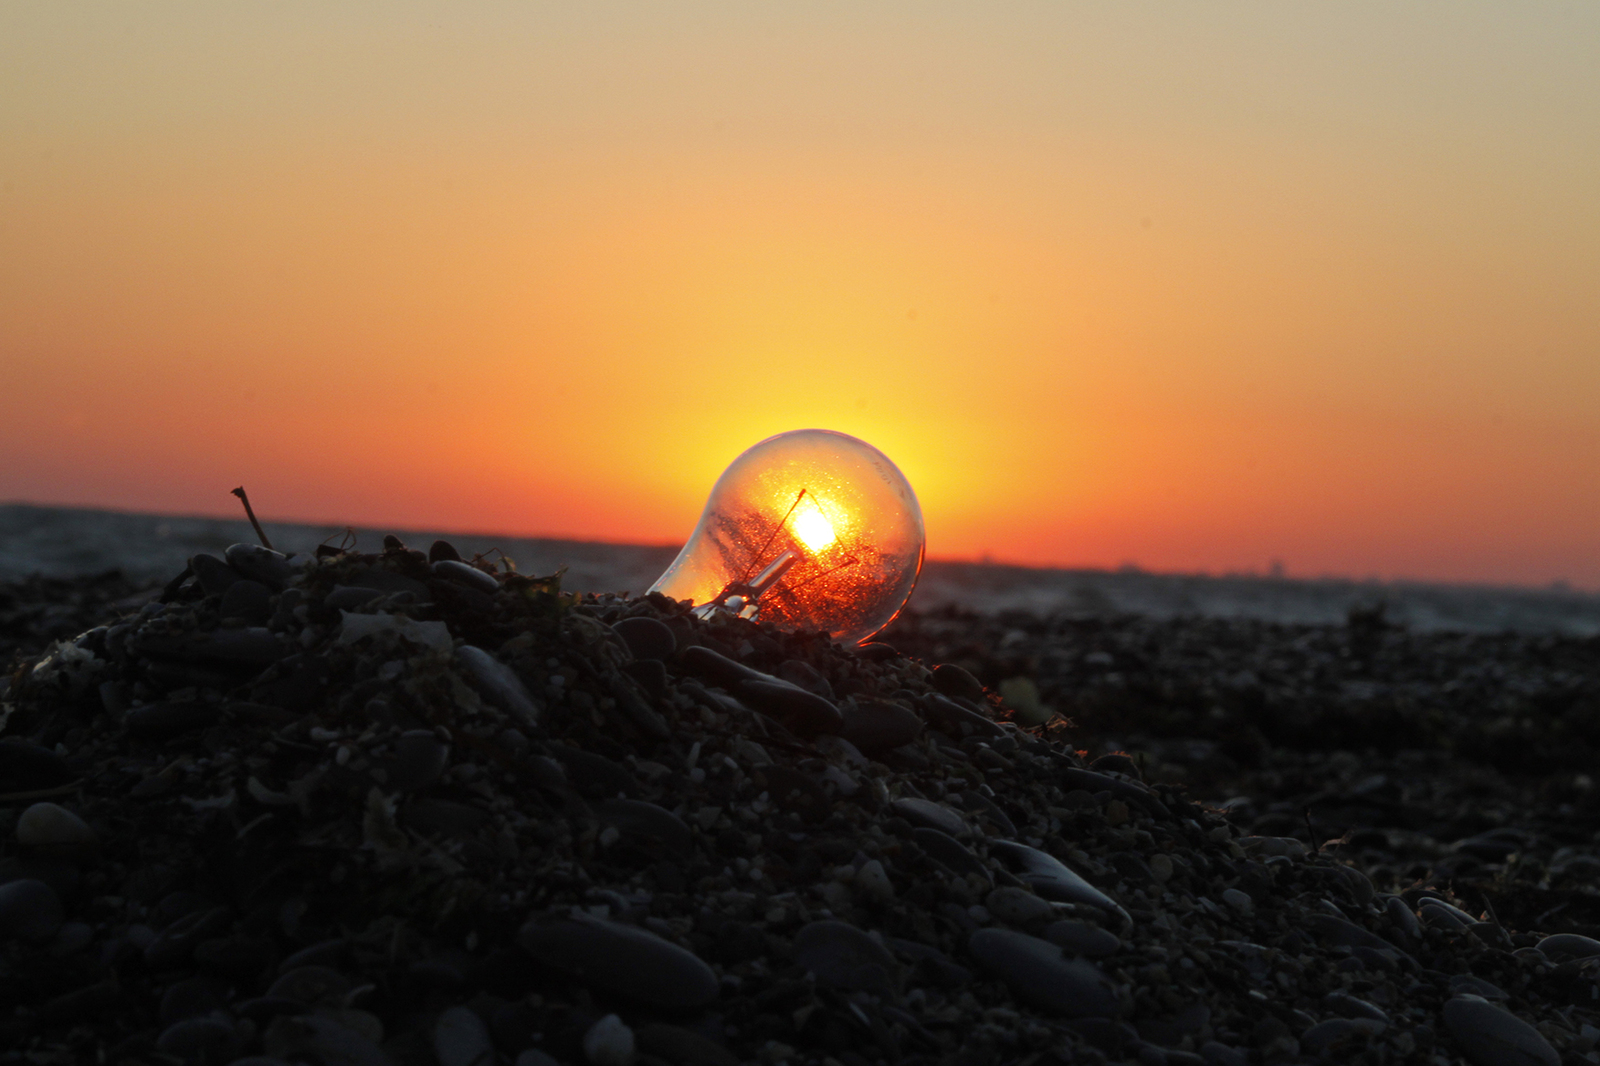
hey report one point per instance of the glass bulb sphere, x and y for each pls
(810, 529)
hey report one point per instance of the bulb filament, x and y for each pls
(812, 530)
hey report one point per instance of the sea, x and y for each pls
(76, 541)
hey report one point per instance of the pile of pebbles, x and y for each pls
(401, 807)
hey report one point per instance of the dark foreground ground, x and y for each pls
(384, 810)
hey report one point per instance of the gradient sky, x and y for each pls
(1197, 286)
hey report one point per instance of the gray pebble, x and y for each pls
(259, 564)
(418, 759)
(804, 675)
(944, 848)
(1564, 947)
(497, 681)
(214, 575)
(246, 599)
(1016, 906)
(931, 815)
(624, 960)
(176, 943)
(648, 820)
(1347, 1006)
(953, 680)
(461, 1039)
(845, 957)
(1081, 938)
(50, 825)
(441, 818)
(30, 911)
(1051, 878)
(1401, 915)
(466, 575)
(805, 713)
(321, 1040)
(189, 998)
(647, 638)
(312, 985)
(1465, 984)
(162, 721)
(609, 1042)
(1489, 1036)
(1039, 974)
(200, 1040)
(1220, 1054)
(1339, 1032)
(349, 597)
(594, 775)
(877, 726)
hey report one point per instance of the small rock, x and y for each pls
(349, 597)
(163, 721)
(214, 575)
(944, 848)
(1340, 1033)
(1403, 917)
(1564, 947)
(28, 767)
(647, 638)
(622, 959)
(51, 826)
(931, 815)
(682, 1047)
(608, 1042)
(461, 1039)
(845, 957)
(1016, 906)
(1081, 938)
(877, 726)
(419, 758)
(1465, 984)
(1039, 974)
(246, 599)
(312, 984)
(30, 911)
(1051, 878)
(322, 1040)
(648, 820)
(200, 1040)
(1489, 1036)
(465, 575)
(259, 564)
(190, 998)
(805, 713)
(803, 675)
(872, 881)
(953, 680)
(1239, 901)
(497, 681)
(1348, 1006)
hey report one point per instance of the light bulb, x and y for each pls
(810, 529)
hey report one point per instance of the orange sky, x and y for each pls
(1195, 286)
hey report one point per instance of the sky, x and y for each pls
(1197, 287)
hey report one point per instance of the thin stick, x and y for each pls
(772, 536)
(248, 510)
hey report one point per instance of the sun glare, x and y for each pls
(814, 531)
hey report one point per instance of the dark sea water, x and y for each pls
(65, 541)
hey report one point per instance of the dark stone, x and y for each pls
(624, 960)
(177, 942)
(1127, 791)
(260, 564)
(190, 998)
(248, 600)
(797, 791)
(311, 984)
(1038, 973)
(1489, 1036)
(441, 818)
(349, 597)
(877, 651)
(443, 551)
(1051, 878)
(1081, 938)
(1117, 762)
(162, 721)
(952, 719)
(952, 680)
(648, 820)
(931, 815)
(30, 911)
(419, 757)
(650, 675)
(682, 1047)
(322, 953)
(249, 648)
(594, 775)
(802, 674)
(28, 767)
(214, 575)
(200, 1040)
(1564, 947)
(647, 638)
(466, 575)
(845, 957)
(946, 849)
(805, 713)
(877, 726)
(386, 582)
(931, 965)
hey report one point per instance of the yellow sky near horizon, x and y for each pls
(1200, 287)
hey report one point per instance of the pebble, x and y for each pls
(1016, 906)
(845, 957)
(648, 820)
(30, 911)
(872, 881)
(609, 1042)
(622, 959)
(535, 1057)
(683, 1047)
(246, 599)
(953, 680)
(163, 721)
(646, 638)
(311, 985)
(446, 819)
(349, 597)
(1239, 901)
(498, 682)
(465, 575)
(593, 774)
(49, 825)
(946, 849)
(1051, 878)
(1402, 916)
(461, 1039)
(321, 1039)
(805, 713)
(1489, 1036)
(1081, 938)
(1341, 1033)
(1564, 947)
(1039, 973)
(28, 767)
(214, 575)
(804, 675)
(931, 815)
(418, 759)
(878, 726)
(200, 1040)
(190, 998)
(259, 564)
(1467, 984)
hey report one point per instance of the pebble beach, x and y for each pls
(402, 803)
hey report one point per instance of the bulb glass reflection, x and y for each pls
(810, 529)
